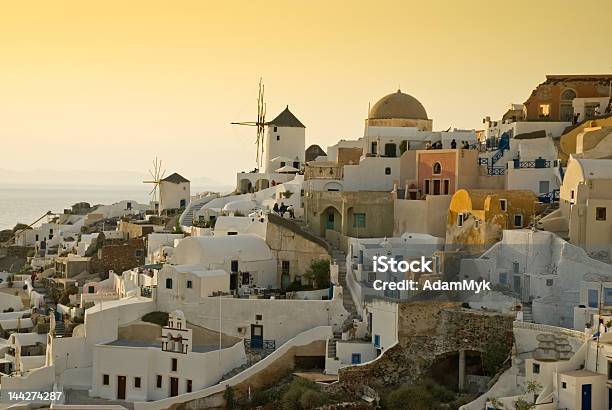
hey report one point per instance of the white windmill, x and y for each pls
(157, 175)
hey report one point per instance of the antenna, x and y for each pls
(260, 123)
(157, 174)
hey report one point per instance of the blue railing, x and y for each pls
(537, 163)
(260, 344)
(549, 197)
(495, 171)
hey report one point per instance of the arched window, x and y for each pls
(568, 95)
(437, 168)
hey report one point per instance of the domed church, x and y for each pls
(399, 110)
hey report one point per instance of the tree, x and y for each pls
(318, 273)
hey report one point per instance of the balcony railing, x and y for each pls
(260, 344)
(549, 197)
(537, 163)
(496, 171)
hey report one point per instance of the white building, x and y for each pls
(285, 142)
(247, 258)
(174, 192)
(541, 269)
(135, 370)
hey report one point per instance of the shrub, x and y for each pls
(318, 273)
(409, 398)
(302, 394)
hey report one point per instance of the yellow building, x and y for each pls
(477, 217)
(585, 137)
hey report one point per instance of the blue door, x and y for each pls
(356, 358)
(586, 397)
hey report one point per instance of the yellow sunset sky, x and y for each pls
(99, 85)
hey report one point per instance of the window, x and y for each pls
(568, 94)
(138, 253)
(518, 221)
(593, 298)
(278, 137)
(390, 150)
(246, 278)
(282, 163)
(285, 265)
(173, 364)
(503, 278)
(189, 284)
(231, 233)
(437, 168)
(436, 187)
(137, 382)
(427, 187)
(549, 282)
(234, 266)
(600, 213)
(91, 289)
(359, 220)
(563, 385)
(105, 379)
(536, 368)
(275, 129)
(503, 204)
(374, 148)
(446, 186)
(168, 283)
(544, 187)
(387, 171)
(356, 358)
(460, 220)
(544, 110)
(609, 370)
(607, 296)
(258, 317)
(572, 194)
(158, 382)
(377, 341)
(189, 386)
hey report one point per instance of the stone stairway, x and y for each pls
(527, 313)
(60, 329)
(339, 257)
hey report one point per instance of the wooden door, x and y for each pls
(121, 387)
(173, 386)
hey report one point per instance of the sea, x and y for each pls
(27, 203)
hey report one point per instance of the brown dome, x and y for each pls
(398, 105)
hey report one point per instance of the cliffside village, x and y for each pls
(206, 300)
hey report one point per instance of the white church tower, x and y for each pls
(285, 142)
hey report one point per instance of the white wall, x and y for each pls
(282, 319)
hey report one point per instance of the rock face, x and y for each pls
(429, 330)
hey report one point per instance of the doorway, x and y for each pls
(257, 336)
(586, 397)
(121, 382)
(173, 386)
